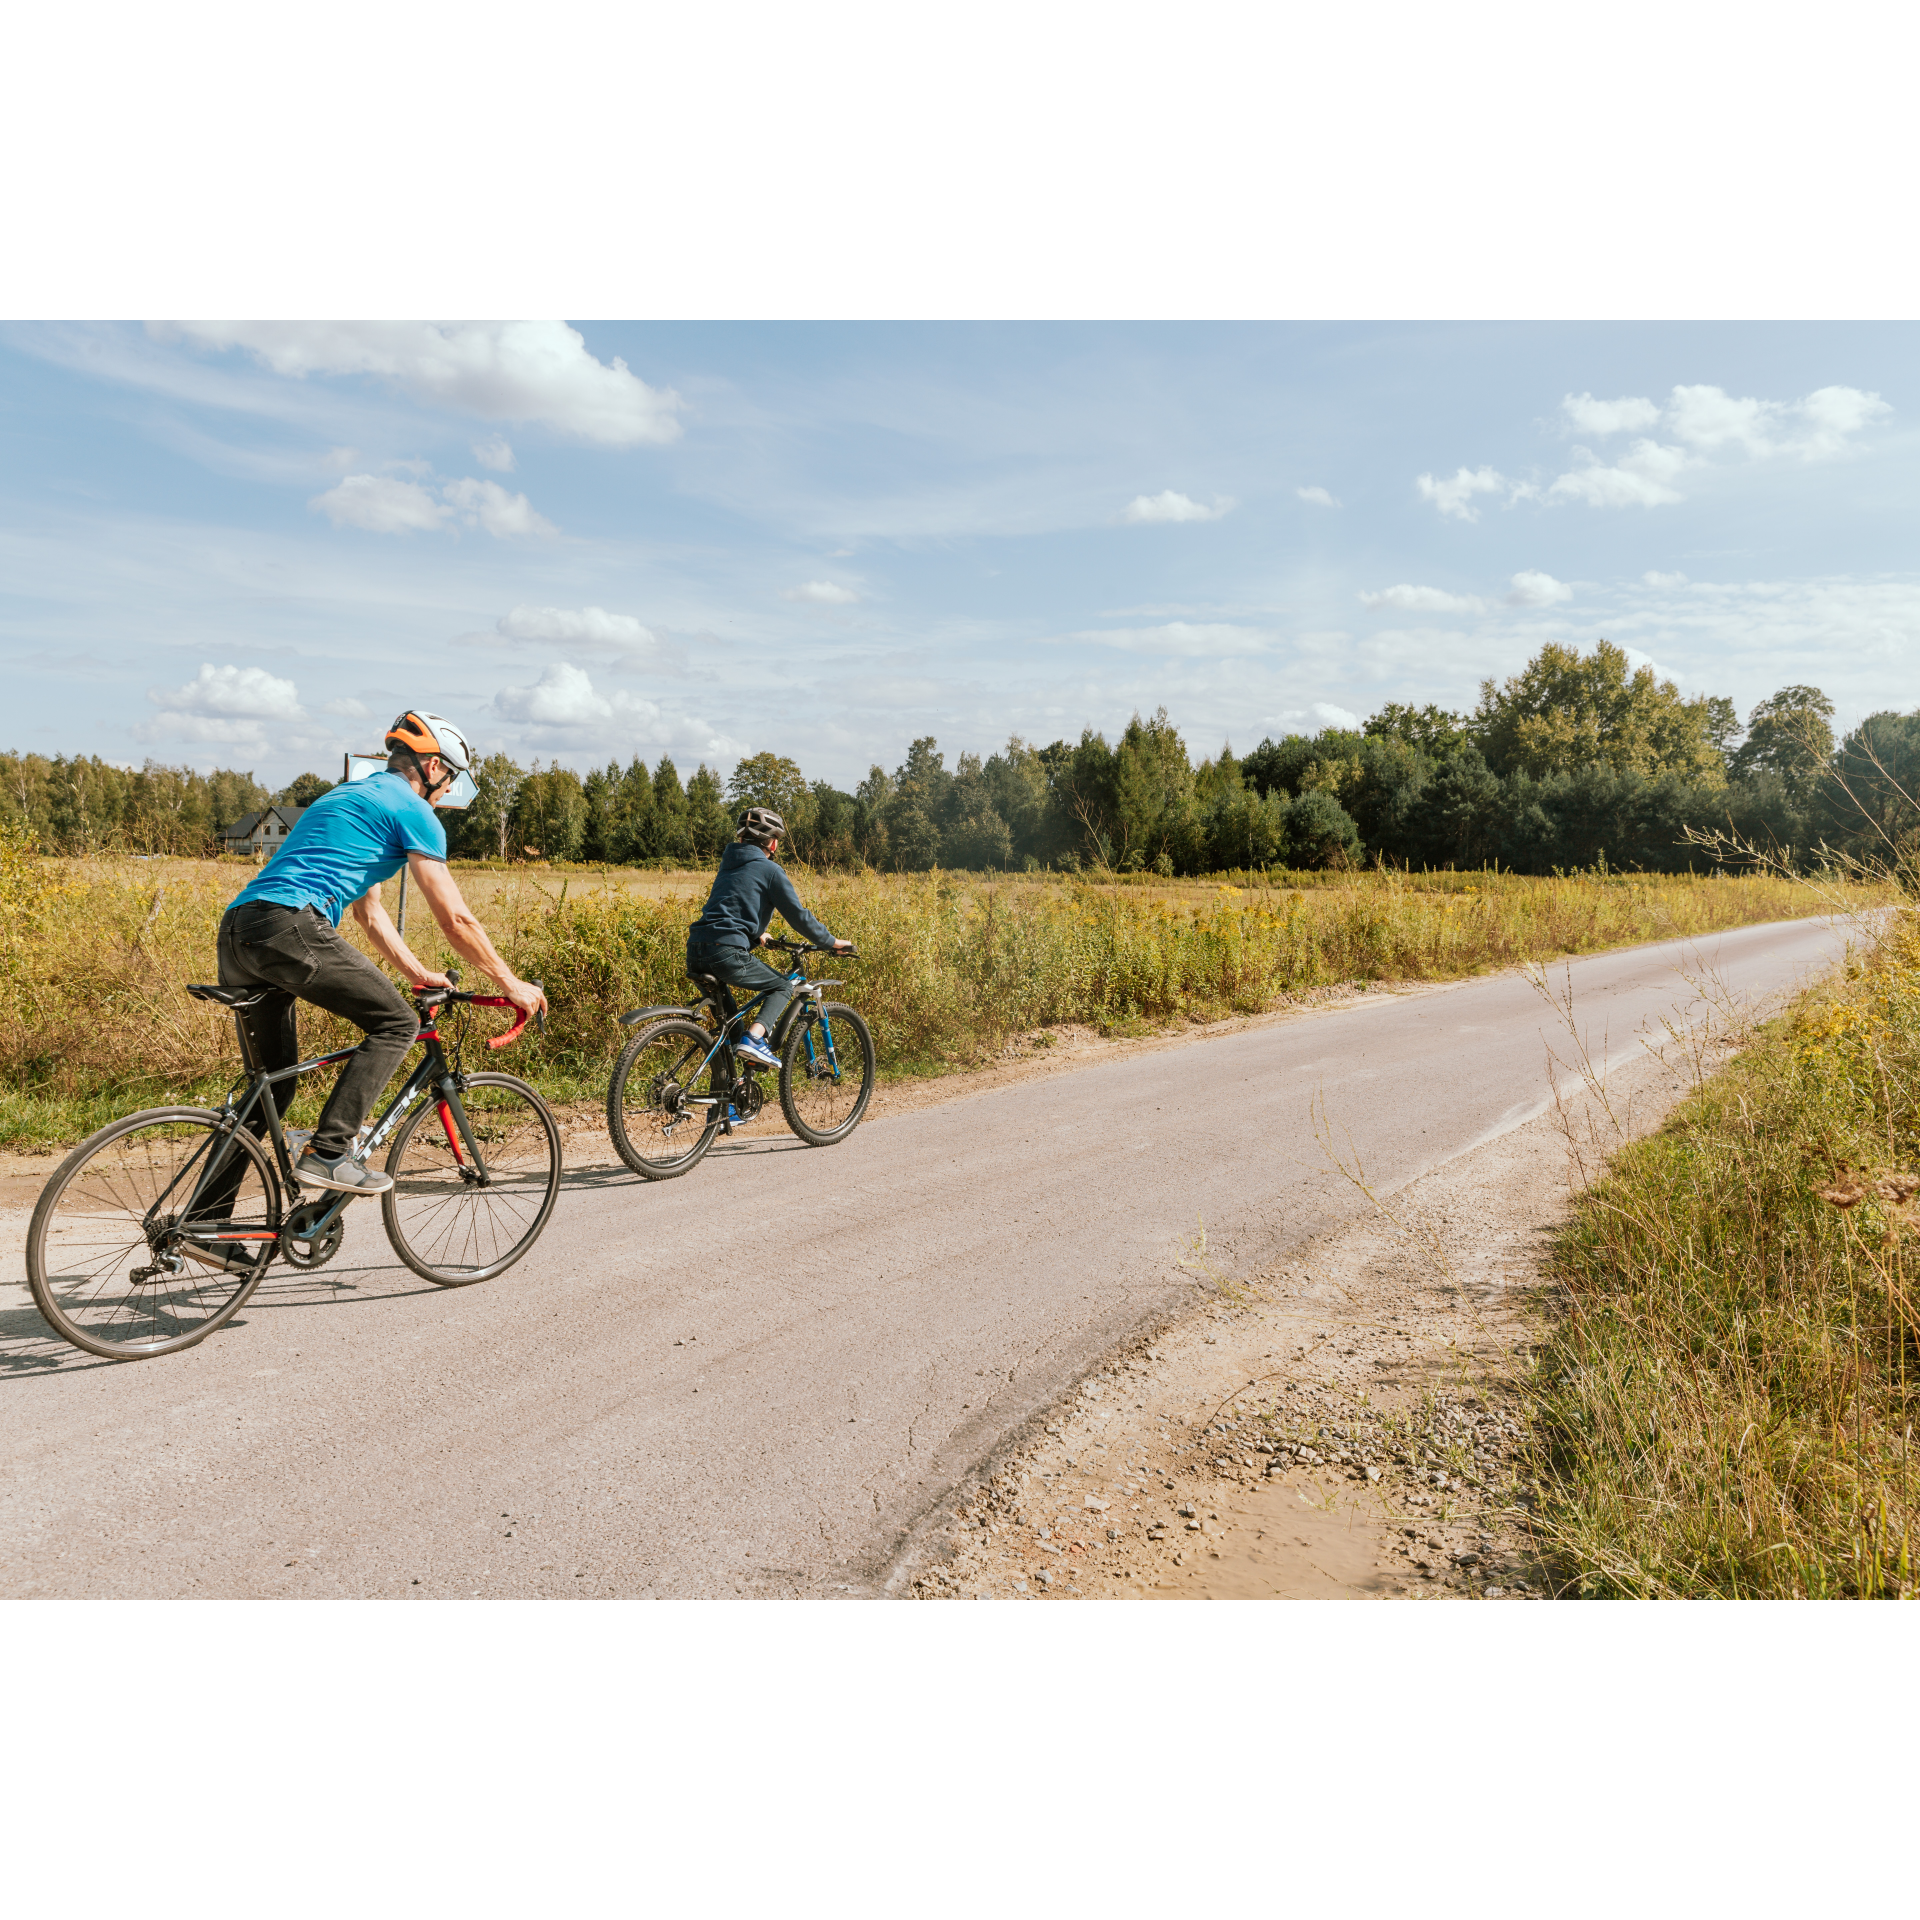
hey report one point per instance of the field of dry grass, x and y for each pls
(96, 952)
(1727, 1405)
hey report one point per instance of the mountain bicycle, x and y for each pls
(158, 1228)
(678, 1084)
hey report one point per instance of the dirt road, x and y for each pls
(761, 1379)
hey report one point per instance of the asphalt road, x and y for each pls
(754, 1380)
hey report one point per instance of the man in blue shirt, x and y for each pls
(282, 931)
(747, 891)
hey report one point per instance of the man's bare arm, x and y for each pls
(465, 934)
(384, 937)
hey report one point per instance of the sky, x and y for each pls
(251, 544)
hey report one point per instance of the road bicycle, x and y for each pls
(157, 1229)
(678, 1080)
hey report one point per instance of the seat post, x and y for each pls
(248, 1058)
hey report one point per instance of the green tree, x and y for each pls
(709, 824)
(630, 831)
(1867, 803)
(1565, 711)
(769, 780)
(303, 790)
(1430, 730)
(1789, 734)
(1320, 832)
(481, 831)
(550, 814)
(669, 835)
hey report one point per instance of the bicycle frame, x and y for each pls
(431, 1072)
(804, 990)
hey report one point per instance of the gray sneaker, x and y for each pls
(345, 1175)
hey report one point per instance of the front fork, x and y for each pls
(459, 1132)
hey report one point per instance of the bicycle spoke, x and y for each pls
(117, 1282)
(441, 1219)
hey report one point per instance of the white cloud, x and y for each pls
(1705, 421)
(563, 696)
(1312, 718)
(1171, 506)
(1609, 416)
(575, 626)
(1664, 579)
(1455, 496)
(346, 710)
(563, 708)
(1181, 639)
(379, 505)
(249, 693)
(1410, 599)
(534, 370)
(1830, 414)
(501, 513)
(1537, 590)
(376, 504)
(1643, 477)
(823, 593)
(244, 708)
(493, 452)
(339, 459)
(1316, 496)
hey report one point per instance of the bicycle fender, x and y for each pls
(634, 1018)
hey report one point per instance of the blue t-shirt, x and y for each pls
(350, 839)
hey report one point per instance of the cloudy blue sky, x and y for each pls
(249, 545)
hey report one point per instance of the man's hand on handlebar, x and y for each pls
(526, 996)
(843, 946)
(426, 979)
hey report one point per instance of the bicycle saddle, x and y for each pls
(238, 998)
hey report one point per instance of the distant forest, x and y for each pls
(1579, 761)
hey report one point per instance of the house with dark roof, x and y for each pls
(261, 834)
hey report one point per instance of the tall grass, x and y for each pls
(952, 966)
(1727, 1405)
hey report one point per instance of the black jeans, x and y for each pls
(300, 957)
(739, 968)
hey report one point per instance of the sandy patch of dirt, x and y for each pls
(1348, 1425)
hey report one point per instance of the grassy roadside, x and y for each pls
(1726, 1406)
(95, 953)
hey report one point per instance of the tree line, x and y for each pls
(1577, 761)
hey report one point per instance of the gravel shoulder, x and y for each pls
(1346, 1424)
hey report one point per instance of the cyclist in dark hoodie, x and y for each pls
(747, 891)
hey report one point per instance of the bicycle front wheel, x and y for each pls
(122, 1263)
(826, 1075)
(663, 1106)
(454, 1222)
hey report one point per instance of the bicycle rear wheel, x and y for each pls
(116, 1266)
(447, 1222)
(826, 1075)
(662, 1071)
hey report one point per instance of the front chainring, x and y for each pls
(298, 1245)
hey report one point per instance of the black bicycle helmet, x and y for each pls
(761, 824)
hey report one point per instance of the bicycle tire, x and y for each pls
(665, 1054)
(817, 1087)
(449, 1229)
(73, 1244)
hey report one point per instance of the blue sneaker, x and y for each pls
(762, 1055)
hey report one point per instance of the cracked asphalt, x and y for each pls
(763, 1378)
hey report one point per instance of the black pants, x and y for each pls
(300, 957)
(739, 968)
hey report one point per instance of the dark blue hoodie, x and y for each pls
(748, 890)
